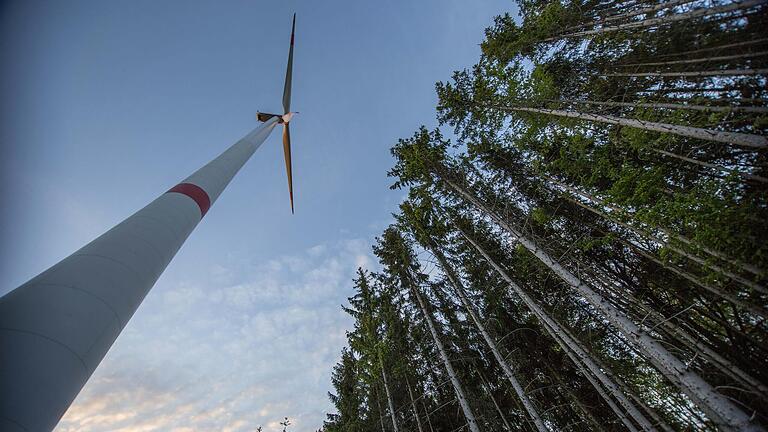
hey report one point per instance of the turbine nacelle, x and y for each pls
(285, 118)
(281, 119)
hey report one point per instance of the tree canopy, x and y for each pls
(588, 250)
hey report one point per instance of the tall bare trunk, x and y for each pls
(458, 286)
(381, 414)
(413, 405)
(709, 108)
(693, 343)
(630, 14)
(652, 22)
(732, 298)
(573, 349)
(686, 89)
(698, 60)
(718, 408)
(429, 422)
(389, 395)
(597, 385)
(487, 389)
(716, 72)
(644, 10)
(673, 236)
(468, 414)
(716, 48)
(746, 176)
(735, 138)
(573, 396)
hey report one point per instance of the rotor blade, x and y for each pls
(287, 152)
(289, 72)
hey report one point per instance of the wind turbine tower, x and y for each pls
(56, 328)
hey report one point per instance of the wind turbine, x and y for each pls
(56, 328)
(287, 115)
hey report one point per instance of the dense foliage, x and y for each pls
(589, 252)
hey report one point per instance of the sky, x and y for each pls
(105, 105)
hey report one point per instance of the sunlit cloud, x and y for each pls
(252, 344)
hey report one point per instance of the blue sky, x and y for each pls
(107, 104)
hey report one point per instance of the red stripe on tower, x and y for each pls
(196, 193)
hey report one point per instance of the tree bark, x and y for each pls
(468, 414)
(735, 138)
(644, 10)
(662, 20)
(732, 298)
(716, 48)
(573, 349)
(487, 389)
(698, 60)
(413, 406)
(746, 176)
(718, 72)
(684, 240)
(597, 385)
(629, 14)
(573, 396)
(675, 332)
(381, 415)
(663, 105)
(718, 408)
(457, 285)
(389, 395)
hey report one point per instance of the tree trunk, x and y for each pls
(598, 386)
(573, 349)
(690, 90)
(735, 138)
(663, 105)
(426, 411)
(678, 251)
(453, 278)
(698, 60)
(381, 415)
(389, 395)
(732, 298)
(684, 240)
(487, 389)
(743, 175)
(716, 48)
(471, 422)
(629, 14)
(651, 22)
(693, 343)
(717, 72)
(718, 408)
(644, 10)
(613, 8)
(624, 388)
(573, 396)
(413, 405)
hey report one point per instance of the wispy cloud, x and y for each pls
(249, 346)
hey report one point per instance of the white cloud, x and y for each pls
(225, 355)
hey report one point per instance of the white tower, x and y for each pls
(56, 328)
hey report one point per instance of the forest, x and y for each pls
(583, 244)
